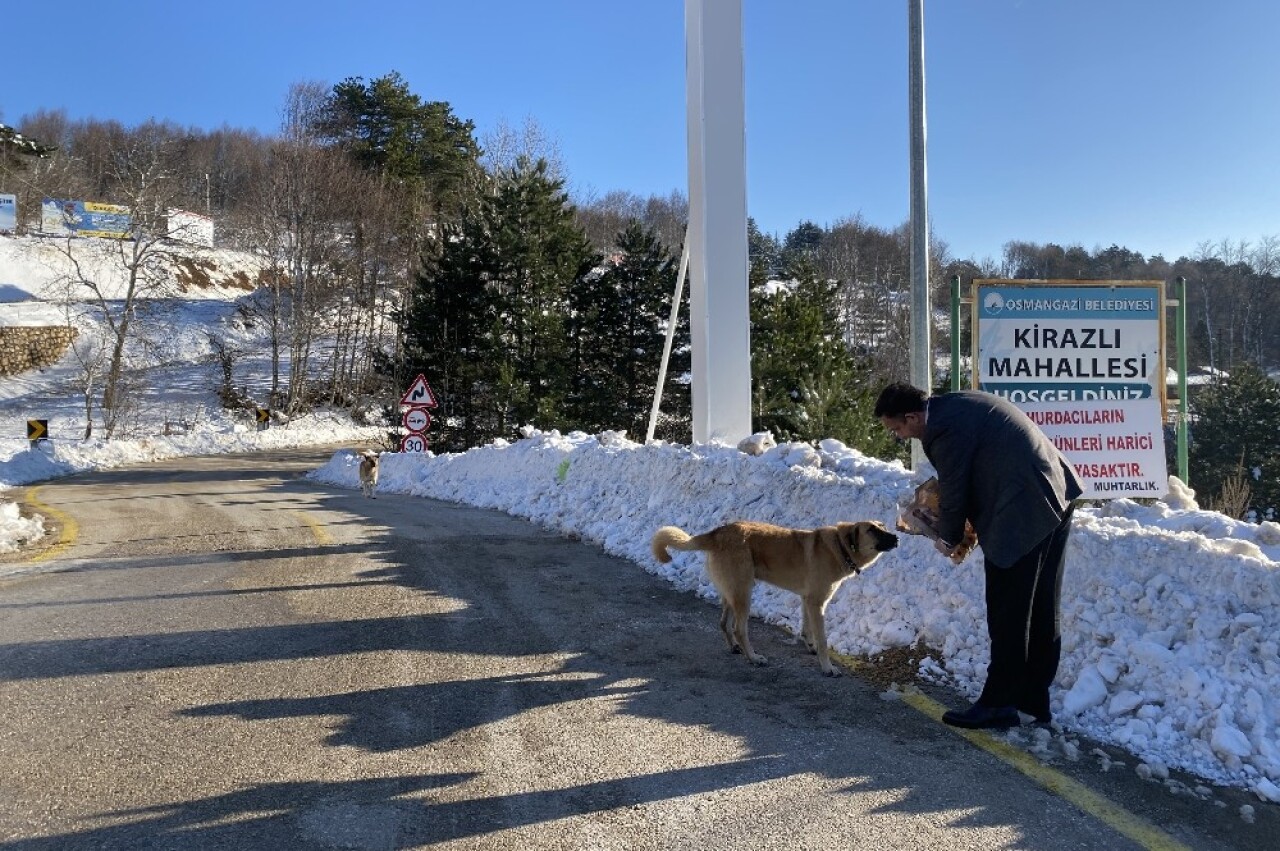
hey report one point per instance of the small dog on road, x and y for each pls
(808, 562)
(368, 473)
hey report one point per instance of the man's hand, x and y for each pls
(949, 551)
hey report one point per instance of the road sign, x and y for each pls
(37, 430)
(264, 417)
(417, 420)
(419, 393)
(413, 443)
(1085, 360)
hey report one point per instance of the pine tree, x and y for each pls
(764, 253)
(487, 320)
(543, 254)
(617, 331)
(13, 144)
(806, 383)
(417, 144)
(449, 330)
(1236, 428)
(801, 244)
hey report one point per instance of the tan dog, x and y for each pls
(808, 562)
(368, 473)
(920, 517)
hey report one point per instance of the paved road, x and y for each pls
(229, 656)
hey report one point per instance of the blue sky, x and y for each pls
(1152, 125)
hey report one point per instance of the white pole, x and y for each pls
(719, 310)
(666, 347)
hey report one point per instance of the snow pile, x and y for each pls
(16, 529)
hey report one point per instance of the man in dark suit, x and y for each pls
(997, 470)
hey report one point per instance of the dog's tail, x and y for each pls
(675, 538)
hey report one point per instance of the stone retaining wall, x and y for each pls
(26, 348)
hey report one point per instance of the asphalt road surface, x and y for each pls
(221, 654)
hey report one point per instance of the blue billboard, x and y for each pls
(85, 218)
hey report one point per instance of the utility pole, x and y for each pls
(921, 348)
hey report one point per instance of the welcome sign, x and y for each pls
(1060, 343)
(1085, 360)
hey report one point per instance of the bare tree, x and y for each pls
(301, 226)
(1236, 300)
(90, 352)
(140, 177)
(871, 265)
(603, 218)
(1265, 258)
(505, 146)
(30, 163)
(377, 269)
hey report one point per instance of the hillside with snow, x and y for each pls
(199, 302)
(174, 372)
(39, 269)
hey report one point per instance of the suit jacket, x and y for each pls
(998, 470)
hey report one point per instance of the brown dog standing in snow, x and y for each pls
(808, 562)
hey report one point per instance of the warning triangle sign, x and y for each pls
(419, 393)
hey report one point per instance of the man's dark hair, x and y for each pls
(900, 398)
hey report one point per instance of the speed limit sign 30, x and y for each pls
(413, 443)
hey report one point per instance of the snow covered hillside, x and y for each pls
(37, 268)
(174, 373)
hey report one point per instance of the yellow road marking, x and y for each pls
(322, 536)
(68, 528)
(1121, 820)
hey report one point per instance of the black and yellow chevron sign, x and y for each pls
(264, 415)
(37, 430)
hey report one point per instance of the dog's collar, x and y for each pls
(846, 552)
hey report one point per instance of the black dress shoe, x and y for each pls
(982, 717)
(1036, 707)
(1041, 718)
